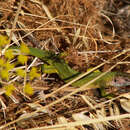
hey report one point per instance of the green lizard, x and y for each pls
(55, 64)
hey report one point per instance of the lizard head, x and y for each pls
(120, 81)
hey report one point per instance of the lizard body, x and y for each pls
(58, 65)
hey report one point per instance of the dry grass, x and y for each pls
(91, 39)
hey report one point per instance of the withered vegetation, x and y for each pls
(89, 33)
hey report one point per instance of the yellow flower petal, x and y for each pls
(3, 40)
(33, 73)
(9, 54)
(22, 59)
(9, 89)
(24, 49)
(28, 89)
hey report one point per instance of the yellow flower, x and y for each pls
(8, 66)
(21, 72)
(3, 40)
(4, 74)
(28, 89)
(2, 62)
(24, 49)
(33, 73)
(9, 89)
(9, 54)
(22, 59)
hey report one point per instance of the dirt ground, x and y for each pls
(90, 32)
